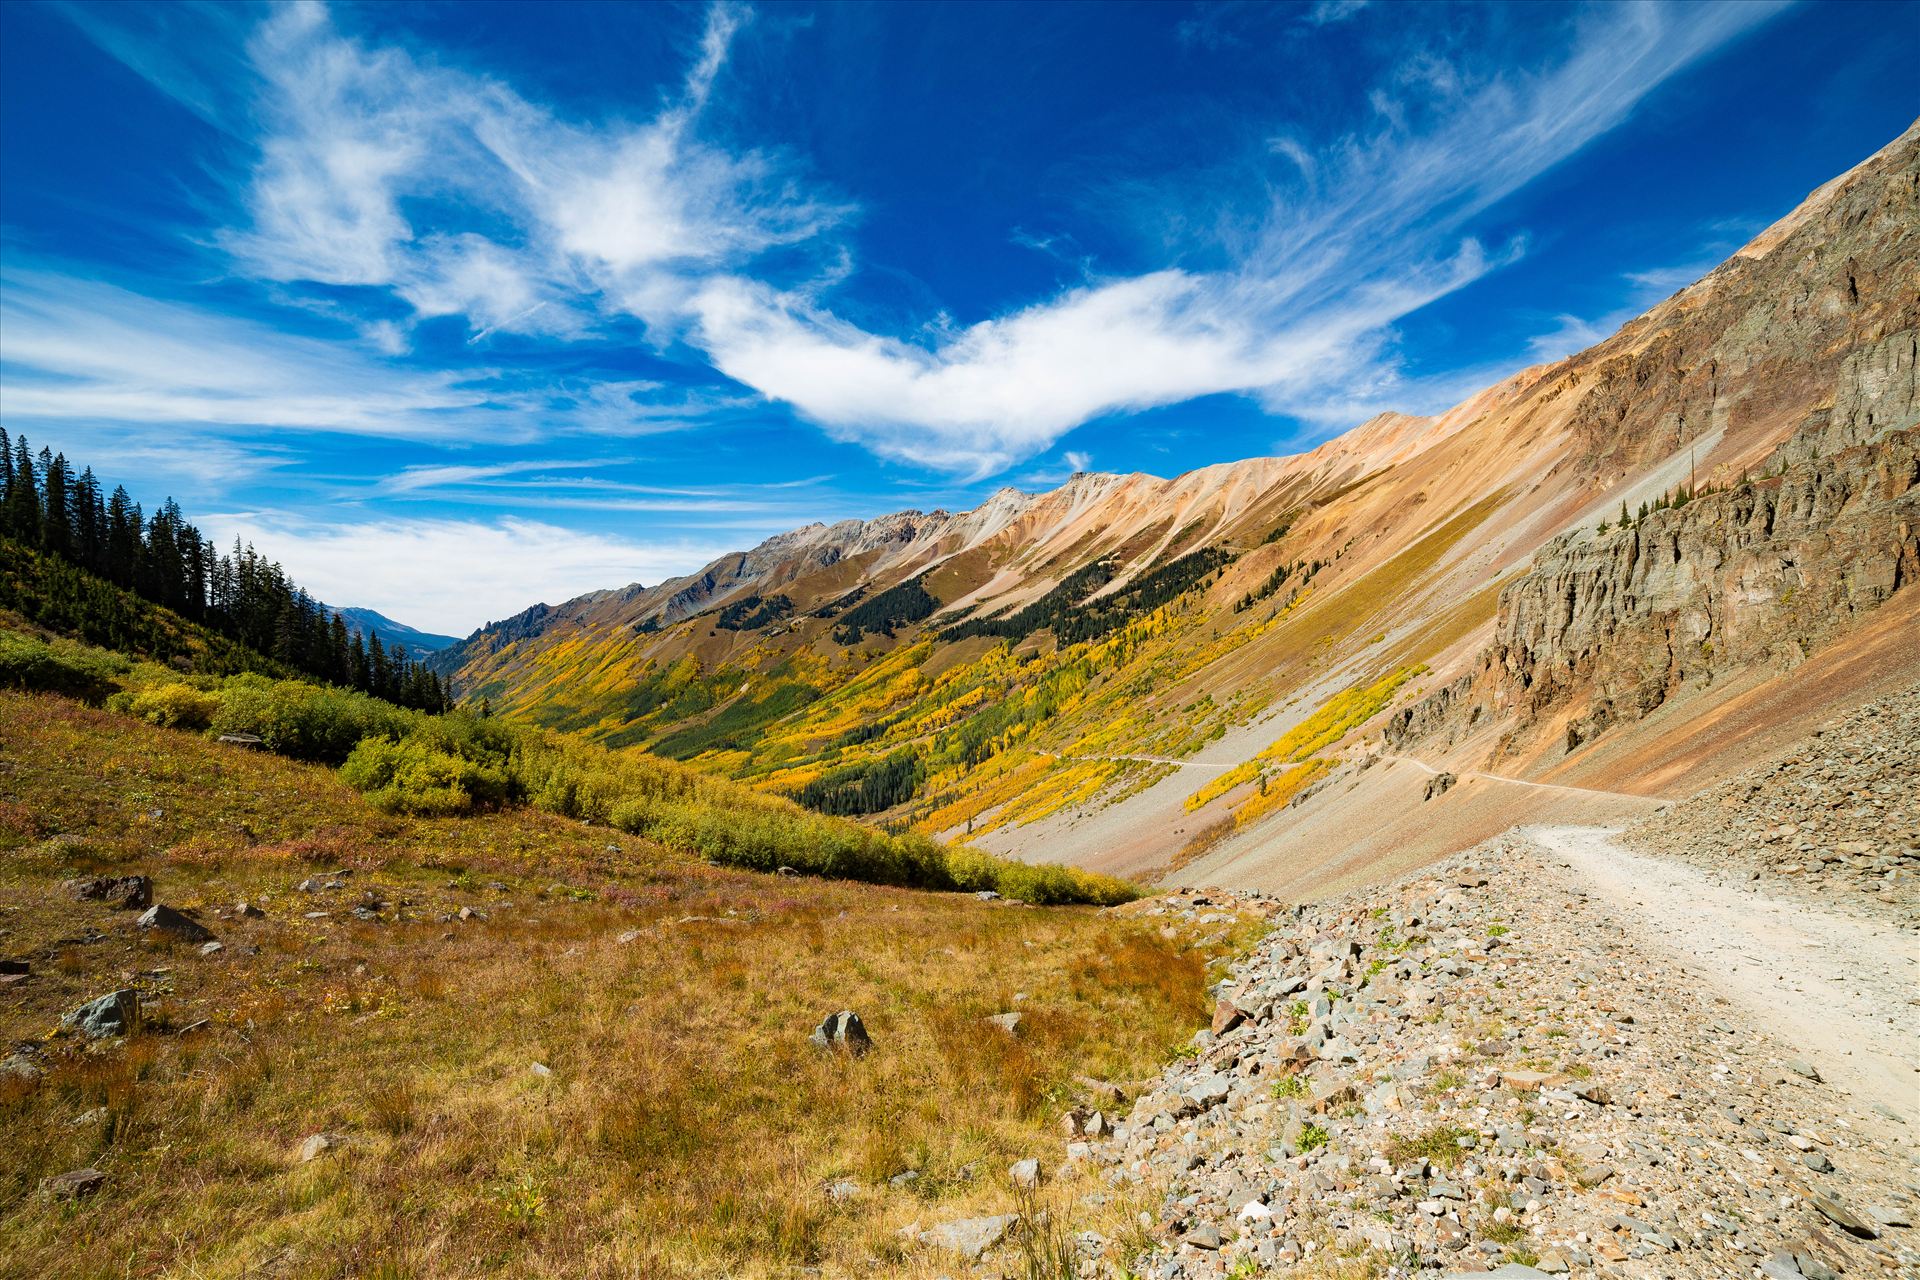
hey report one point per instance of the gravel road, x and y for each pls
(1847, 991)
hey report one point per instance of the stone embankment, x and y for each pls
(1480, 1067)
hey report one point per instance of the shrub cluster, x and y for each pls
(307, 721)
(459, 763)
(175, 706)
(76, 670)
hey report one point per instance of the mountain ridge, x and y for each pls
(418, 644)
(1338, 584)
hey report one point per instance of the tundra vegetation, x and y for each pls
(411, 762)
(533, 1044)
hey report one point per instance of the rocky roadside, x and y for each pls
(1838, 818)
(1473, 1068)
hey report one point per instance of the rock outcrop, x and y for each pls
(1606, 627)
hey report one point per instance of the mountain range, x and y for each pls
(1294, 672)
(418, 644)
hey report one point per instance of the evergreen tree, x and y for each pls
(379, 670)
(362, 673)
(56, 525)
(85, 546)
(89, 540)
(23, 496)
(6, 482)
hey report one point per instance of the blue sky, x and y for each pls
(457, 308)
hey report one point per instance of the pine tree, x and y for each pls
(23, 496)
(89, 543)
(339, 657)
(56, 526)
(82, 539)
(6, 482)
(379, 670)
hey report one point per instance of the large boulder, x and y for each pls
(173, 924)
(844, 1031)
(970, 1237)
(114, 1014)
(77, 1184)
(127, 893)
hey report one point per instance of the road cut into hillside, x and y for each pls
(1842, 988)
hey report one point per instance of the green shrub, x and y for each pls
(307, 721)
(77, 671)
(412, 776)
(175, 706)
(440, 766)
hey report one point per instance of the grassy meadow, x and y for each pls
(681, 1125)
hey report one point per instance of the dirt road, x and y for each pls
(1422, 765)
(1844, 992)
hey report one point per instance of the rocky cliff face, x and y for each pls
(1606, 627)
(1751, 348)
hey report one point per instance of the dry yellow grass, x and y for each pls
(686, 1128)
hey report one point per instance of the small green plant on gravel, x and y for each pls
(1245, 1269)
(1500, 1232)
(1045, 1242)
(1498, 931)
(1299, 1017)
(1392, 944)
(1289, 1087)
(1448, 1081)
(1314, 1137)
(1439, 1145)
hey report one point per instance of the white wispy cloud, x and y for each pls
(1301, 318)
(649, 220)
(77, 349)
(1569, 334)
(1572, 334)
(617, 216)
(399, 567)
(1325, 12)
(429, 476)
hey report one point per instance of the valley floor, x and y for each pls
(511, 1044)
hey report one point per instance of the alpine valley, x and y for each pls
(1486, 844)
(1588, 589)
